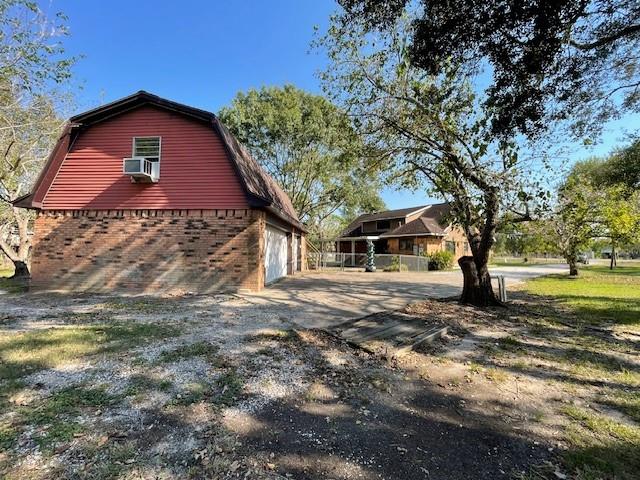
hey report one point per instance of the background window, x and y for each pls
(383, 225)
(450, 246)
(406, 245)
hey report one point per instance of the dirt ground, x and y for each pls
(217, 387)
(323, 299)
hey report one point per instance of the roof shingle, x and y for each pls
(419, 226)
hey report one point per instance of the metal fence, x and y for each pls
(343, 261)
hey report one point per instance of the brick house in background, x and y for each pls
(407, 231)
(147, 195)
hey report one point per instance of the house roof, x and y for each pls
(419, 226)
(435, 213)
(261, 190)
(384, 215)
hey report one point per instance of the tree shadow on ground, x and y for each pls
(409, 429)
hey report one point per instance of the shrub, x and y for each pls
(441, 260)
(396, 266)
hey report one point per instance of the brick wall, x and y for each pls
(149, 251)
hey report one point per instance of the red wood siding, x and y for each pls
(195, 172)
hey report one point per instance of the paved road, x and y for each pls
(324, 299)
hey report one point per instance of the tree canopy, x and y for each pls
(600, 200)
(309, 146)
(559, 60)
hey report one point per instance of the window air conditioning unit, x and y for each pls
(141, 170)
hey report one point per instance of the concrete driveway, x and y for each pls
(325, 299)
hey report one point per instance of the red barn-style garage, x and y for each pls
(149, 195)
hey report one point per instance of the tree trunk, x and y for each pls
(20, 255)
(477, 289)
(573, 267)
(21, 270)
(613, 257)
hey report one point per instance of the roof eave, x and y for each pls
(278, 213)
(390, 235)
(25, 201)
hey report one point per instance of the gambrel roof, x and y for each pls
(260, 189)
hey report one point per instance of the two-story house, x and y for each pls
(407, 231)
(149, 195)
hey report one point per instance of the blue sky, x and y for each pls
(203, 52)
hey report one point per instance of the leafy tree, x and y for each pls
(621, 168)
(310, 147)
(535, 237)
(575, 219)
(619, 213)
(31, 61)
(599, 200)
(615, 200)
(565, 59)
(431, 131)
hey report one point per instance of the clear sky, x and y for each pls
(203, 52)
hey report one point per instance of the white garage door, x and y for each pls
(275, 254)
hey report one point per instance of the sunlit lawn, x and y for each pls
(600, 366)
(598, 295)
(6, 272)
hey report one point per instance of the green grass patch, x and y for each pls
(626, 401)
(55, 416)
(601, 447)
(284, 336)
(598, 295)
(593, 364)
(141, 384)
(25, 353)
(223, 392)
(228, 386)
(12, 286)
(198, 349)
(8, 435)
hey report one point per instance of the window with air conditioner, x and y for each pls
(144, 163)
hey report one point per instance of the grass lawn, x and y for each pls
(598, 295)
(599, 367)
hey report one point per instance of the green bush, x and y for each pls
(396, 266)
(441, 260)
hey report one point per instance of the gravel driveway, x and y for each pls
(325, 299)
